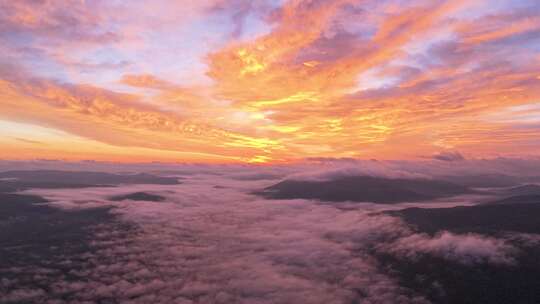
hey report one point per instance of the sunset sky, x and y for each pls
(268, 81)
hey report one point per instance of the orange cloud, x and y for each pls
(145, 81)
(120, 120)
(336, 78)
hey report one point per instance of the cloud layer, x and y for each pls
(211, 241)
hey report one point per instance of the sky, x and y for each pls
(239, 81)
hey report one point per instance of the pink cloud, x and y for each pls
(466, 249)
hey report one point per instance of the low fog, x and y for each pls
(211, 239)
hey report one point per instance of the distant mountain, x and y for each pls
(483, 180)
(519, 199)
(517, 214)
(20, 180)
(139, 196)
(20, 204)
(448, 282)
(489, 180)
(529, 189)
(364, 189)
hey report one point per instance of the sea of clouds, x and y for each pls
(213, 241)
